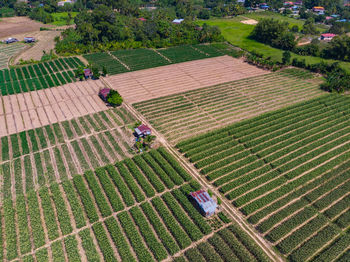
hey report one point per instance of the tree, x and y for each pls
(285, 41)
(268, 30)
(309, 27)
(95, 72)
(286, 57)
(114, 98)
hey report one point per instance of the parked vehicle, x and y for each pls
(29, 39)
(11, 40)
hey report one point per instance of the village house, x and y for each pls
(205, 203)
(327, 37)
(103, 94)
(143, 131)
(319, 10)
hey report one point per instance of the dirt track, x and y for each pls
(167, 80)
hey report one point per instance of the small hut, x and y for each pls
(204, 202)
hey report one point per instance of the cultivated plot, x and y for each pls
(172, 79)
(186, 114)
(38, 76)
(7, 51)
(288, 172)
(134, 210)
(58, 151)
(19, 112)
(136, 59)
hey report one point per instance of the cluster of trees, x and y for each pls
(104, 28)
(275, 33)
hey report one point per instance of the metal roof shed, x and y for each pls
(206, 204)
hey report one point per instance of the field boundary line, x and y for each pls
(116, 58)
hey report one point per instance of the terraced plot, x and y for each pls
(55, 152)
(135, 210)
(183, 115)
(288, 172)
(38, 76)
(7, 51)
(20, 112)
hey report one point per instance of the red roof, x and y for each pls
(104, 92)
(142, 19)
(200, 196)
(328, 35)
(143, 128)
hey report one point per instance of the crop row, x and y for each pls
(138, 59)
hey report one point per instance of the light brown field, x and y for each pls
(45, 42)
(167, 80)
(30, 110)
(11, 26)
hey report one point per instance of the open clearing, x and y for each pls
(166, 80)
(38, 108)
(45, 42)
(288, 172)
(185, 114)
(11, 26)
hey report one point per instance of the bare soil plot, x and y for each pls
(166, 80)
(11, 26)
(49, 106)
(45, 42)
(193, 112)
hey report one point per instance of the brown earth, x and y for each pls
(167, 80)
(18, 25)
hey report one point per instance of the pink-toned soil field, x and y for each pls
(21, 112)
(17, 25)
(167, 80)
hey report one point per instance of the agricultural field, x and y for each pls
(38, 76)
(55, 152)
(11, 26)
(182, 115)
(136, 209)
(7, 51)
(136, 59)
(30, 110)
(287, 171)
(173, 79)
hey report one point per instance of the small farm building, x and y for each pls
(327, 37)
(205, 203)
(143, 130)
(178, 21)
(104, 93)
(318, 9)
(142, 19)
(87, 73)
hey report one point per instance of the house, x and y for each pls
(87, 73)
(143, 130)
(318, 9)
(29, 39)
(263, 6)
(288, 3)
(62, 3)
(204, 202)
(103, 94)
(142, 19)
(177, 21)
(327, 37)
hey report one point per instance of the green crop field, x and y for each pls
(182, 115)
(287, 171)
(55, 152)
(137, 59)
(38, 76)
(134, 210)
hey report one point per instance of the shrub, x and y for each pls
(114, 98)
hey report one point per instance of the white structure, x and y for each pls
(178, 21)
